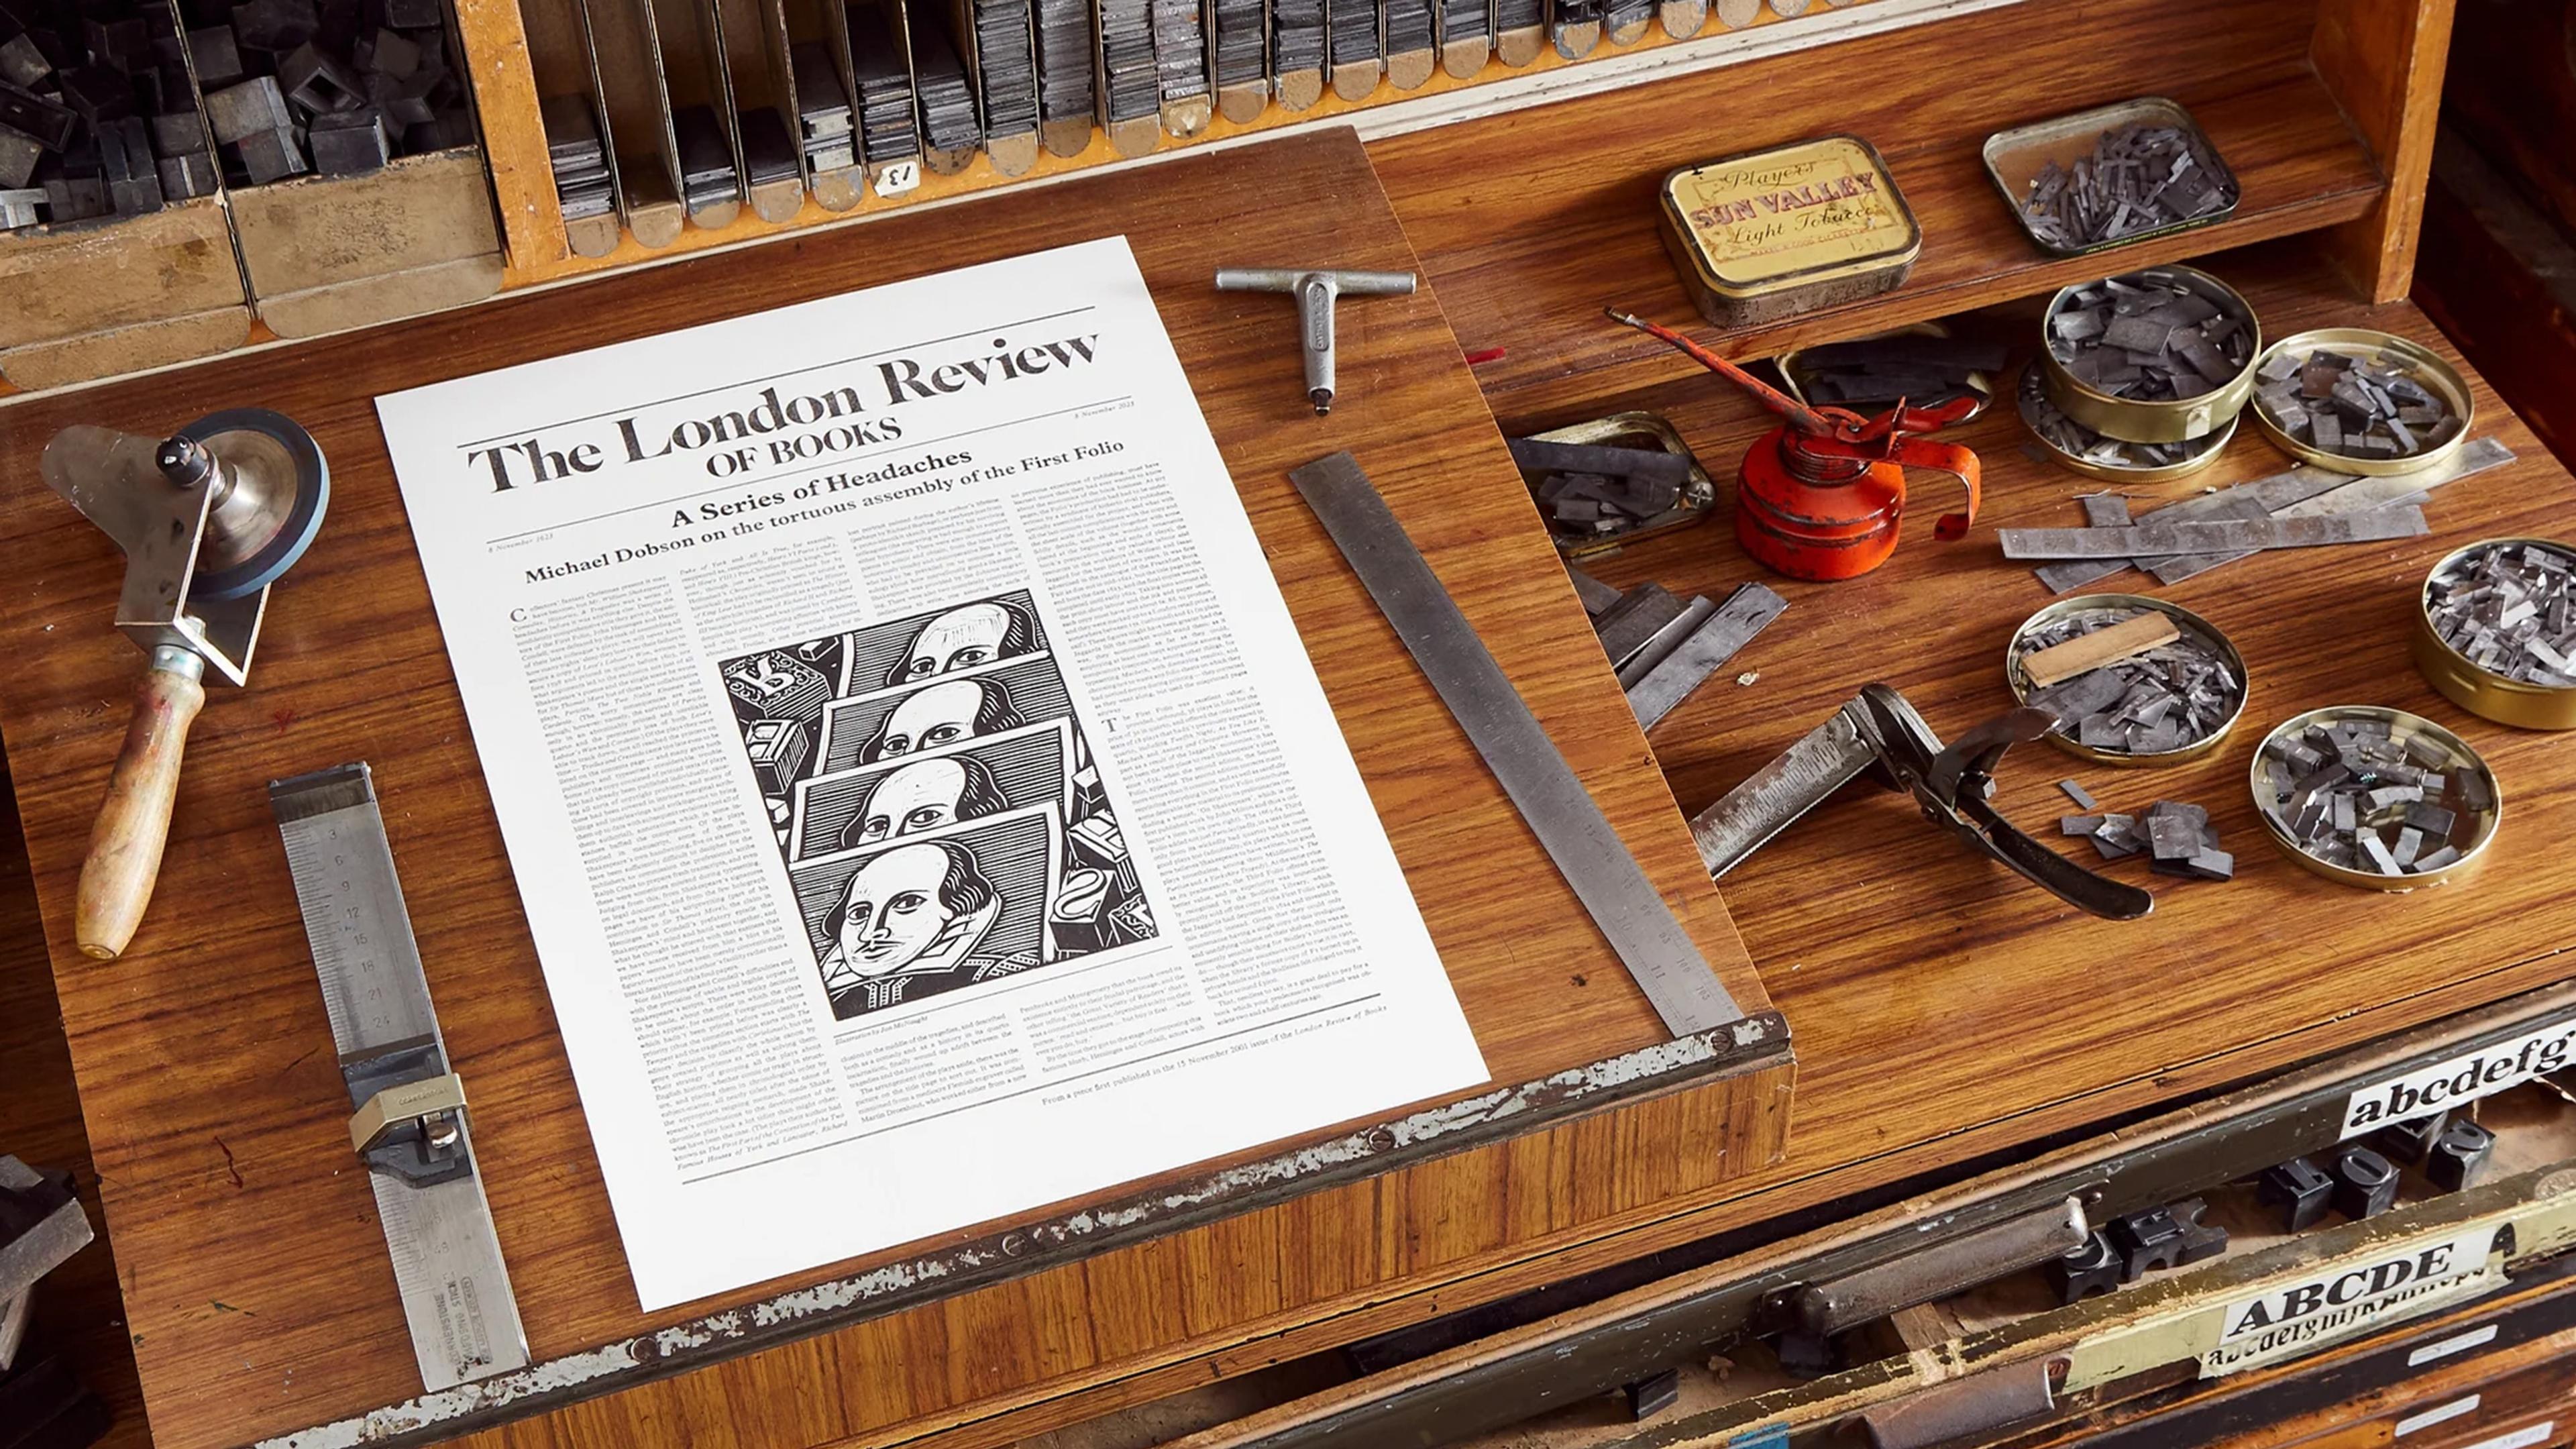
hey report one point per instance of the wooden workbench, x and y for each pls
(1944, 1009)
(258, 1292)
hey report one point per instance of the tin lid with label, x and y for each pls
(1767, 221)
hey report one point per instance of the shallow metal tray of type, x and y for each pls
(2015, 155)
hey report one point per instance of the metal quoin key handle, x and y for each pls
(1315, 290)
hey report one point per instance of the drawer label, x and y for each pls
(2456, 1343)
(2461, 1080)
(2350, 1297)
(2519, 1438)
(2440, 1414)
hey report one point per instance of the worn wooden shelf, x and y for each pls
(1529, 234)
(541, 35)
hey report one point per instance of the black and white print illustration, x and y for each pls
(932, 792)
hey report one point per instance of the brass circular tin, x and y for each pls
(2430, 370)
(2473, 687)
(2185, 620)
(2033, 391)
(2457, 755)
(2162, 420)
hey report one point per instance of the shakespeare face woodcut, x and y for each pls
(898, 904)
(923, 796)
(943, 714)
(968, 635)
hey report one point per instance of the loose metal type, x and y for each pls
(1626, 906)
(1315, 289)
(410, 1123)
(1878, 731)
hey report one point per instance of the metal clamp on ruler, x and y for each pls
(410, 1123)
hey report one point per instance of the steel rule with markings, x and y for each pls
(409, 1124)
(1667, 965)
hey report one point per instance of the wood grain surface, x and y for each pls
(1530, 228)
(1945, 1008)
(76, 1312)
(258, 1292)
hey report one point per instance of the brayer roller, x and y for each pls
(1315, 289)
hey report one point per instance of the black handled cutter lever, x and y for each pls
(1880, 733)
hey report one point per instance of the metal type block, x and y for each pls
(216, 56)
(2077, 793)
(2365, 1183)
(1648, 1397)
(2409, 1141)
(2145, 1240)
(2089, 1271)
(2300, 1189)
(2200, 1241)
(2459, 1155)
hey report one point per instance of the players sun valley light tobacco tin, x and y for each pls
(1769, 234)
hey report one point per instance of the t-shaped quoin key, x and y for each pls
(1315, 288)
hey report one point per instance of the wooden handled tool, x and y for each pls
(134, 822)
(208, 518)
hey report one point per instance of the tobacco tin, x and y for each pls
(2371, 346)
(2185, 620)
(2479, 690)
(2454, 754)
(1769, 234)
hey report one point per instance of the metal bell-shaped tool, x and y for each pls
(208, 518)
(1821, 495)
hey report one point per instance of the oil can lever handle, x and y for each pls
(134, 822)
(1949, 458)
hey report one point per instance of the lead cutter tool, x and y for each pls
(410, 1123)
(1568, 822)
(1878, 732)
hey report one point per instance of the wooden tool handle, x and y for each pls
(134, 821)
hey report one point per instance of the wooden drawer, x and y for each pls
(2155, 1362)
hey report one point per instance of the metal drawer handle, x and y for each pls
(1966, 1409)
(1942, 1269)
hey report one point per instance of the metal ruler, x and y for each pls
(1626, 906)
(410, 1123)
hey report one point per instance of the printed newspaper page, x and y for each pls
(922, 802)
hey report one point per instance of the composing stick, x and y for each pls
(410, 1126)
(1626, 906)
(2149, 540)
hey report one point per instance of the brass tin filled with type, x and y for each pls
(2158, 355)
(2492, 631)
(2158, 704)
(2058, 176)
(2360, 401)
(1770, 234)
(2375, 797)
(2082, 450)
